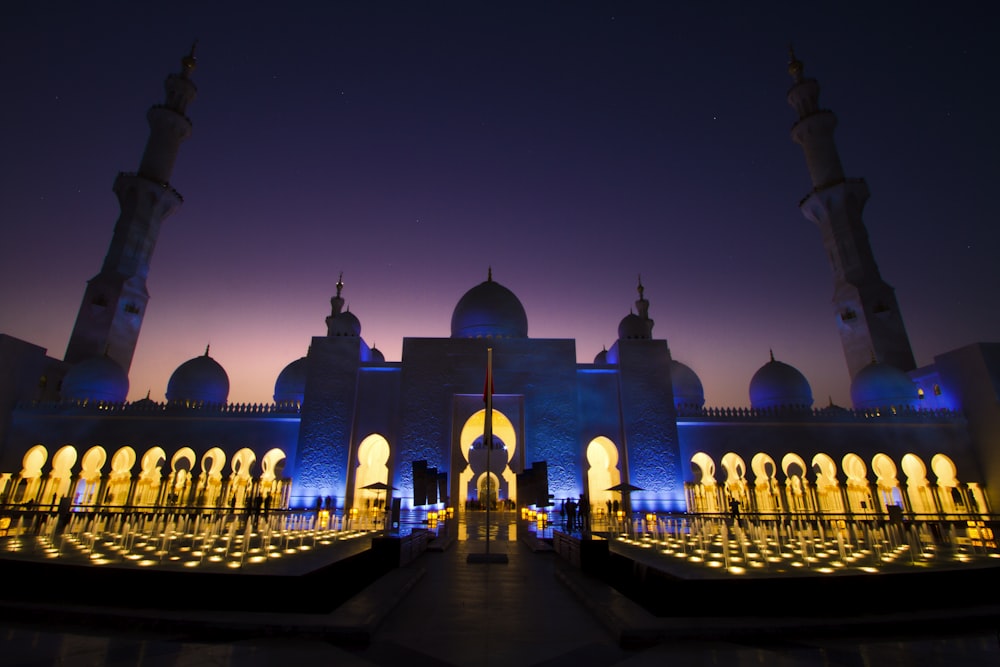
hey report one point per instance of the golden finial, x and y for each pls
(189, 62)
(794, 64)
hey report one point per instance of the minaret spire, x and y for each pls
(868, 316)
(114, 302)
(641, 304)
(337, 302)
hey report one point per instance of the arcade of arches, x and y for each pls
(152, 480)
(795, 487)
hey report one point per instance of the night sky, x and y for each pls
(571, 146)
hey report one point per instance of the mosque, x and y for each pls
(349, 429)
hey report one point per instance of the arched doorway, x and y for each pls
(241, 478)
(736, 482)
(147, 490)
(372, 468)
(210, 480)
(179, 485)
(602, 474)
(885, 479)
(475, 454)
(827, 484)
(120, 479)
(30, 480)
(272, 485)
(767, 490)
(89, 482)
(704, 492)
(796, 484)
(918, 489)
(859, 498)
(61, 476)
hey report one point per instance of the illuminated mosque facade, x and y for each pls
(345, 421)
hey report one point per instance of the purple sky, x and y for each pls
(569, 145)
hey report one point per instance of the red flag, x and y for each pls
(488, 385)
(488, 382)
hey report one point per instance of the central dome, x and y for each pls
(198, 381)
(778, 385)
(489, 310)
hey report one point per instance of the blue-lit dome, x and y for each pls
(688, 392)
(199, 381)
(290, 387)
(95, 379)
(882, 386)
(376, 356)
(489, 310)
(602, 358)
(635, 327)
(778, 385)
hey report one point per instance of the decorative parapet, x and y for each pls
(152, 408)
(818, 415)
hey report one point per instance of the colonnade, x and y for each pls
(151, 481)
(823, 487)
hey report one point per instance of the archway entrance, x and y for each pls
(487, 464)
(372, 468)
(602, 474)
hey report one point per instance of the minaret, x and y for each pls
(868, 316)
(114, 302)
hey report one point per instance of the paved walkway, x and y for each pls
(441, 611)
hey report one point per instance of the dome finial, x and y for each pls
(489, 274)
(340, 283)
(641, 288)
(772, 354)
(206, 348)
(794, 65)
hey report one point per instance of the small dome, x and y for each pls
(634, 327)
(882, 386)
(343, 324)
(489, 310)
(95, 379)
(199, 381)
(778, 385)
(602, 358)
(290, 387)
(688, 392)
(376, 356)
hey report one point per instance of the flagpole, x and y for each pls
(488, 442)
(488, 438)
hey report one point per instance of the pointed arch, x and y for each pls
(917, 487)
(120, 477)
(859, 497)
(473, 430)
(372, 468)
(796, 484)
(704, 491)
(767, 489)
(827, 484)
(602, 471)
